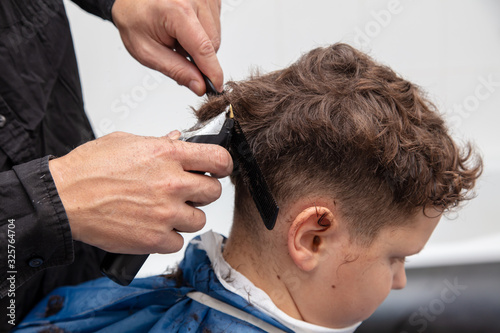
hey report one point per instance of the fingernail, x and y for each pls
(195, 87)
(174, 135)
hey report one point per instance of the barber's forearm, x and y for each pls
(34, 230)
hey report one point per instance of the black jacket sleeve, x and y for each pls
(101, 8)
(41, 114)
(34, 228)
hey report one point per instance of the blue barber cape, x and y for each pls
(153, 304)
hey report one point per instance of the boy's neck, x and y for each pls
(261, 268)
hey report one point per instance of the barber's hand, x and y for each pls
(152, 29)
(131, 194)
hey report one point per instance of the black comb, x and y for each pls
(253, 177)
(210, 88)
(250, 170)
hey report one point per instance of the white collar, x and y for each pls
(238, 284)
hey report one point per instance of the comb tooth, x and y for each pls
(253, 177)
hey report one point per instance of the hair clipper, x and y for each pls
(122, 268)
(225, 131)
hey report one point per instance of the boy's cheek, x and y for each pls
(377, 287)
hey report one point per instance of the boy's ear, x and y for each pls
(308, 236)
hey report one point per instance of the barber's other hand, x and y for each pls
(131, 194)
(152, 29)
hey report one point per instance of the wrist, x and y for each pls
(113, 12)
(59, 175)
(118, 13)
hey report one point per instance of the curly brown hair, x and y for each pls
(339, 124)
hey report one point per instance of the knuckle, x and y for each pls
(211, 189)
(199, 220)
(169, 215)
(222, 160)
(215, 188)
(177, 12)
(175, 245)
(169, 147)
(177, 72)
(167, 150)
(174, 185)
(183, 7)
(174, 6)
(156, 242)
(216, 41)
(206, 48)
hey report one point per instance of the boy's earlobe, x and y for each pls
(308, 234)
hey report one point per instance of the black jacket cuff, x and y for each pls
(37, 216)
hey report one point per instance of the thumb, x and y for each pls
(174, 135)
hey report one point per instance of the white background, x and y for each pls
(450, 48)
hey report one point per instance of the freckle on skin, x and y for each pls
(279, 278)
(333, 286)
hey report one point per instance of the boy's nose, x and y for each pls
(399, 279)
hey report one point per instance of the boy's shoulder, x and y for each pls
(158, 303)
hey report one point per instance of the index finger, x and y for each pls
(204, 157)
(194, 39)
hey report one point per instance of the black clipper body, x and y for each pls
(122, 268)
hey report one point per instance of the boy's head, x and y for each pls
(362, 167)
